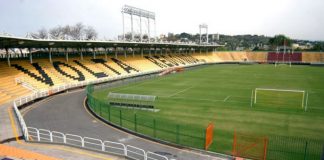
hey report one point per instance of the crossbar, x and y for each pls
(280, 90)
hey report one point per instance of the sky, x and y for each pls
(298, 19)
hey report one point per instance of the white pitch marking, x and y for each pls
(226, 98)
(180, 91)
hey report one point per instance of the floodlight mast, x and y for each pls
(203, 26)
(141, 13)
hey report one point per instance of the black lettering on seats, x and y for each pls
(163, 61)
(124, 66)
(194, 60)
(183, 59)
(188, 59)
(44, 78)
(103, 62)
(170, 59)
(179, 60)
(80, 76)
(161, 65)
(98, 74)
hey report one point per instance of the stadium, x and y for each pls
(151, 100)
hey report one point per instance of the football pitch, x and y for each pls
(222, 94)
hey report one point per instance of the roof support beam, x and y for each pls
(8, 58)
(81, 54)
(142, 52)
(94, 53)
(115, 49)
(66, 55)
(30, 56)
(125, 51)
(106, 58)
(50, 54)
(21, 53)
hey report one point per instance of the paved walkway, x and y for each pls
(6, 131)
(66, 113)
(9, 151)
(14, 148)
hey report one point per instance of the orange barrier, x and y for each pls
(9, 151)
(170, 70)
(209, 135)
(251, 146)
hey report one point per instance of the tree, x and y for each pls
(90, 33)
(171, 37)
(76, 31)
(280, 40)
(56, 32)
(40, 34)
(66, 31)
(318, 47)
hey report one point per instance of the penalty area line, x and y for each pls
(180, 91)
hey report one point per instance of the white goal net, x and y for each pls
(279, 98)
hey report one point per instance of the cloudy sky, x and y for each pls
(299, 19)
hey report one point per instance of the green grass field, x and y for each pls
(222, 94)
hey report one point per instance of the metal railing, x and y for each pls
(46, 136)
(21, 121)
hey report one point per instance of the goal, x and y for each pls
(249, 145)
(279, 98)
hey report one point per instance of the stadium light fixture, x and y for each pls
(203, 26)
(141, 13)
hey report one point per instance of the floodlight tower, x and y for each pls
(203, 26)
(141, 13)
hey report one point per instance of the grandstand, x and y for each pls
(23, 77)
(50, 66)
(31, 72)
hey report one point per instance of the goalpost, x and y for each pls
(271, 94)
(284, 50)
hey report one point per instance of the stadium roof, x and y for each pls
(18, 42)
